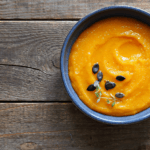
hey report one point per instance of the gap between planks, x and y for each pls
(24, 20)
(35, 102)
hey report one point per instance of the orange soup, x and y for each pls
(115, 51)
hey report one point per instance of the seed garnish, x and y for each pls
(95, 68)
(109, 85)
(96, 83)
(120, 78)
(100, 76)
(119, 95)
(91, 87)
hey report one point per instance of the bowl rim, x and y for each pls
(123, 120)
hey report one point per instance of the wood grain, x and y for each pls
(59, 9)
(64, 127)
(30, 58)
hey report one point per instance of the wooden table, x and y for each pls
(36, 112)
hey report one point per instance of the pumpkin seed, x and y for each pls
(109, 85)
(91, 87)
(96, 83)
(119, 95)
(100, 76)
(95, 68)
(120, 78)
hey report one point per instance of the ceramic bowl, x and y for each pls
(78, 28)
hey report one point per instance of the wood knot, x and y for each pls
(56, 60)
(29, 146)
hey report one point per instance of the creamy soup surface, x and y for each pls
(121, 47)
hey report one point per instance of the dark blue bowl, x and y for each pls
(78, 28)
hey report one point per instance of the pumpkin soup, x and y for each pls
(109, 66)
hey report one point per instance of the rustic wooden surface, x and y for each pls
(30, 56)
(58, 126)
(59, 9)
(36, 112)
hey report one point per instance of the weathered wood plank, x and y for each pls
(59, 9)
(64, 127)
(29, 60)
(25, 84)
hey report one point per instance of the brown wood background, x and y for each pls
(35, 110)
